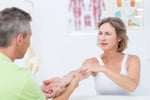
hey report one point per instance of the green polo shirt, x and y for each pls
(17, 83)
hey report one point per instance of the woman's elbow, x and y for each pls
(133, 88)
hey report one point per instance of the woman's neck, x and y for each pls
(112, 55)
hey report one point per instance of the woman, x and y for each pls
(114, 72)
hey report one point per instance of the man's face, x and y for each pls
(24, 45)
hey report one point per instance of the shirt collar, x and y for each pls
(4, 58)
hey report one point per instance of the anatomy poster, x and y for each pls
(83, 15)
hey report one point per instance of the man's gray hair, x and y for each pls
(12, 22)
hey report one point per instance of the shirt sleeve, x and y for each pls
(31, 90)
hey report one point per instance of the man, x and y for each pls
(17, 82)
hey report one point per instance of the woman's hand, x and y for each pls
(89, 69)
(91, 66)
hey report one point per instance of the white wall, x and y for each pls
(61, 52)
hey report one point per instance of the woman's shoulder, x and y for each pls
(133, 58)
(90, 60)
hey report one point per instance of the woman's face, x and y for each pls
(107, 37)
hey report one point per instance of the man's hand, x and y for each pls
(69, 89)
(53, 87)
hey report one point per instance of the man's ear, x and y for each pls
(19, 39)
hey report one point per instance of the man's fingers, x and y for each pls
(46, 82)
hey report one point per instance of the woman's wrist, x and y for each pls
(104, 69)
(68, 78)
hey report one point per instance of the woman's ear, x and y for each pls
(119, 39)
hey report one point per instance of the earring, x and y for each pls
(119, 44)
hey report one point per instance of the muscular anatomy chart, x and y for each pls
(76, 7)
(97, 7)
(85, 14)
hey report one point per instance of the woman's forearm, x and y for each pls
(123, 81)
(71, 75)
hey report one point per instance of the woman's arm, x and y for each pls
(67, 78)
(71, 87)
(129, 82)
(55, 86)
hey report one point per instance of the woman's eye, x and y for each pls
(100, 33)
(107, 33)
